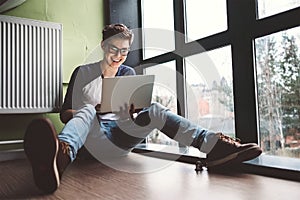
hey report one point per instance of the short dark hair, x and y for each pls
(117, 30)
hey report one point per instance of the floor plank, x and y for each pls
(140, 177)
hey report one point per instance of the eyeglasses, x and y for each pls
(115, 50)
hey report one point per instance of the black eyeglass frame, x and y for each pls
(115, 50)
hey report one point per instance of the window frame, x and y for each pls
(243, 28)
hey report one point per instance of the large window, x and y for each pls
(236, 68)
(229, 65)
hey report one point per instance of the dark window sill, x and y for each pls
(266, 165)
(182, 154)
(275, 166)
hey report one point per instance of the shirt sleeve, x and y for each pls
(68, 97)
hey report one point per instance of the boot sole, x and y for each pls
(238, 157)
(41, 147)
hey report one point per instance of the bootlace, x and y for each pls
(230, 140)
(65, 147)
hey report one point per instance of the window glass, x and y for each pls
(204, 18)
(278, 89)
(210, 90)
(158, 27)
(164, 92)
(267, 8)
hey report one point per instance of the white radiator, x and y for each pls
(30, 66)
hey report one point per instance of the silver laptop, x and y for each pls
(121, 90)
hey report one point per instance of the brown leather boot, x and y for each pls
(48, 156)
(63, 157)
(230, 151)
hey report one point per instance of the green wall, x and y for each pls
(82, 22)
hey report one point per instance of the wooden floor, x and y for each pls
(138, 177)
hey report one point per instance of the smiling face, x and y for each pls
(115, 52)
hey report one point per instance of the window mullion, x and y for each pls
(277, 23)
(179, 32)
(241, 20)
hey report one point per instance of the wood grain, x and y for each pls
(90, 179)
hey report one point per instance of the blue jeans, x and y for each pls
(105, 138)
